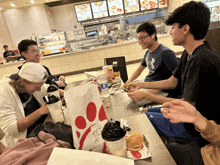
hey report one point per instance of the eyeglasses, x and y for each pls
(34, 51)
(142, 38)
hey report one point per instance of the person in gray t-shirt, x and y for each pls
(159, 59)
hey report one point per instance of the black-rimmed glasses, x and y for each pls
(142, 38)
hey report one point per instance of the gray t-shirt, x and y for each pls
(161, 63)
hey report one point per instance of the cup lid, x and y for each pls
(52, 88)
(112, 131)
(52, 99)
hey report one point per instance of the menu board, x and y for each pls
(131, 5)
(214, 6)
(99, 9)
(163, 3)
(115, 7)
(148, 4)
(83, 12)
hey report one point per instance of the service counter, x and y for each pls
(91, 59)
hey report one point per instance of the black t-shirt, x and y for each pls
(199, 80)
(8, 53)
(30, 105)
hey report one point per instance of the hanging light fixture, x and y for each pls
(32, 1)
(12, 5)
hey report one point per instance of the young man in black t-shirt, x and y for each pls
(197, 76)
(8, 55)
(29, 50)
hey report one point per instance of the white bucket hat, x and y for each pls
(32, 72)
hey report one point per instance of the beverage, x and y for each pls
(104, 87)
(55, 107)
(53, 90)
(115, 139)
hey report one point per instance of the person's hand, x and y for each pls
(44, 109)
(60, 83)
(136, 95)
(7, 58)
(63, 101)
(180, 111)
(62, 78)
(133, 86)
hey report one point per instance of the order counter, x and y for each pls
(84, 60)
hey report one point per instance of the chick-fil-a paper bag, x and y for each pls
(87, 117)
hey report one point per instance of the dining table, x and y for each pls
(120, 106)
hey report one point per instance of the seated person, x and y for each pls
(197, 77)
(181, 111)
(29, 51)
(159, 59)
(21, 102)
(36, 150)
(9, 55)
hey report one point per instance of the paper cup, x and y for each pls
(56, 111)
(66, 114)
(55, 93)
(117, 148)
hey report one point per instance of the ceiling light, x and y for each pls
(12, 5)
(32, 1)
(0, 8)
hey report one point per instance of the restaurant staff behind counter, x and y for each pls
(9, 55)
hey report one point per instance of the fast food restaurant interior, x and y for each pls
(75, 37)
(63, 33)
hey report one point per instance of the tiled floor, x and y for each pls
(130, 69)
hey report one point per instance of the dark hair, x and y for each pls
(5, 46)
(23, 45)
(147, 27)
(195, 14)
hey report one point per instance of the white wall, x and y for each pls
(64, 18)
(23, 22)
(5, 36)
(49, 16)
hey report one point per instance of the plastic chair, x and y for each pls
(119, 64)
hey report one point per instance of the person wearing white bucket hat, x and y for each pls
(21, 102)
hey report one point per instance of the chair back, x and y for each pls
(119, 64)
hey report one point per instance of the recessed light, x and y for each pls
(12, 5)
(32, 1)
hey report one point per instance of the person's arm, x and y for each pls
(61, 78)
(11, 119)
(27, 121)
(170, 60)
(136, 73)
(139, 95)
(211, 132)
(182, 111)
(170, 83)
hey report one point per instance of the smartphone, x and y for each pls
(125, 89)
